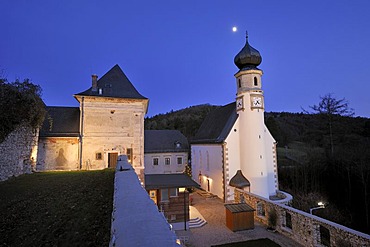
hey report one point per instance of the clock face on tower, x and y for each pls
(239, 103)
(256, 101)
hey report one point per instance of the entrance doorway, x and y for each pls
(112, 160)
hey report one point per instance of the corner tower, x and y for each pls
(255, 142)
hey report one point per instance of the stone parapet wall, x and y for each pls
(307, 229)
(18, 152)
(136, 220)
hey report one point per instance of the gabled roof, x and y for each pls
(114, 84)
(165, 141)
(61, 122)
(217, 125)
(174, 180)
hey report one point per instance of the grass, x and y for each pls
(264, 242)
(57, 209)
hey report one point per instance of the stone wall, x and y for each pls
(136, 220)
(307, 229)
(18, 152)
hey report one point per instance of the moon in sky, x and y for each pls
(235, 29)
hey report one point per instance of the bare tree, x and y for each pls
(331, 107)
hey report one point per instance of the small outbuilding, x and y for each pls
(239, 216)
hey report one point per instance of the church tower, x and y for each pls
(253, 135)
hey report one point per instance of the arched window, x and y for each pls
(207, 161)
(255, 81)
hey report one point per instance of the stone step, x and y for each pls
(196, 222)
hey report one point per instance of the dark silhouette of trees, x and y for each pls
(20, 103)
(187, 120)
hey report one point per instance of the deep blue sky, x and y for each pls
(180, 53)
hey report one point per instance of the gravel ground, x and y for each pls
(215, 231)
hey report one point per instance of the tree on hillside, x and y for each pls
(330, 108)
(20, 102)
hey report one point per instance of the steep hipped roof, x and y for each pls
(217, 125)
(174, 180)
(61, 122)
(165, 141)
(114, 84)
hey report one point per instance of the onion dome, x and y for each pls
(239, 181)
(248, 57)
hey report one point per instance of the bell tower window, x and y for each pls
(255, 81)
(239, 83)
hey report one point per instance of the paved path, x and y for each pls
(215, 231)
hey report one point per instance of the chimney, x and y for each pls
(94, 83)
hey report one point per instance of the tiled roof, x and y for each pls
(114, 84)
(61, 122)
(174, 180)
(217, 125)
(165, 141)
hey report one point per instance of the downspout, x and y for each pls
(81, 129)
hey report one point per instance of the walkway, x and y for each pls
(215, 231)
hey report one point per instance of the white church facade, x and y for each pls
(233, 147)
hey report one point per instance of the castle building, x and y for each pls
(109, 122)
(233, 147)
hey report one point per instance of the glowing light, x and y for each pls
(235, 29)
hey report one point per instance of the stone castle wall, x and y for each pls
(305, 228)
(18, 152)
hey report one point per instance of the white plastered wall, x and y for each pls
(232, 159)
(271, 162)
(161, 168)
(59, 153)
(207, 167)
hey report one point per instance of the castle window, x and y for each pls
(179, 160)
(98, 156)
(129, 154)
(155, 161)
(261, 209)
(239, 83)
(173, 192)
(288, 220)
(324, 236)
(255, 81)
(164, 195)
(167, 161)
